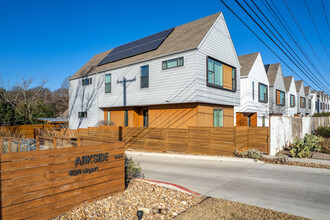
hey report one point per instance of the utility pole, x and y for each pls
(124, 86)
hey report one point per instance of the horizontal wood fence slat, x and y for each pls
(194, 140)
(39, 184)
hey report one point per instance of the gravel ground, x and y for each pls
(157, 203)
(320, 156)
(222, 209)
(294, 163)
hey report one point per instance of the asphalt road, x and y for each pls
(296, 190)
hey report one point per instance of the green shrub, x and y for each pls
(132, 169)
(323, 131)
(249, 153)
(303, 147)
(322, 114)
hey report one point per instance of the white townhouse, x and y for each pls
(308, 96)
(291, 101)
(277, 94)
(183, 76)
(254, 109)
(301, 98)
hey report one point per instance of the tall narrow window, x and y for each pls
(107, 83)
(302, 102)
(263, 121)
(145, 76)
(145, 118)
(252, 90)
(249, 121)
(218, 117)
(125, 118)
(109, 116)
(263, 93)
(309, 104)
(292, 101)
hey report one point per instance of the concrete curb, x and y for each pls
(196, 157)
(169, 185)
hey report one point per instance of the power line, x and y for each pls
(317, 31)
(306, 56)
(312, 80)
(325, 14)
(301, 63)
(299, 29)
(261, 40)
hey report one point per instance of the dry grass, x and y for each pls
(212, 208)
(4, 132)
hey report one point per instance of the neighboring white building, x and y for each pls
(314, 102)
(301, 98)
(277, 94)
(254, 109)
(308, 96)
(291, 93)
(190, 79)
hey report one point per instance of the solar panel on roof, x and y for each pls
(143, 45)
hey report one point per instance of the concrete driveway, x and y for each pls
(296, 190)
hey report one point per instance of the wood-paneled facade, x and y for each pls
(170, 116)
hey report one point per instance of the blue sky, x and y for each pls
(52, 39)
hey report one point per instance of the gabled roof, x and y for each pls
(298, 84)
(307, 88)
(182, 38)
(272, 70)
(247, 62)
(287, 82)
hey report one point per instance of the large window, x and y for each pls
(292, 101)
(263, 93)
(145, 76)
(220, 75)
(252, 90)
(302, 102)
(86, 81)
(172, 63)
(280, 98)
(108, 83)
(218, 117)
(82, 114)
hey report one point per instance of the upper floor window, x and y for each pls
(218, 118)
(107, 83)
(292, 101)
(82, 114)
(252, 90)
(263, 93)
(280, 97)
(309, 104)
(172, 63)
(86, 81)
(144, 76)
(302, 102)
(220, 75)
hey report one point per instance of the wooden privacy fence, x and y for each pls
(194, 140)
(42, 184)
(26, 130)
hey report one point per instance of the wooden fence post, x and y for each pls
(79, 141)
(1, 144)
(19, 145)
(9, 145)
(54, 142)
(38, 144)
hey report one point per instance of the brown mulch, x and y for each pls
(157, 203)
(212, 208)
(295, 163)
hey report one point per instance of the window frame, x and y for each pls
(142, 77)
(177, 59)
(252, 90)
(294, 102)
(105, 83)
(266, 101)
(234, 76)
(221, 110)
(89, 80)
(309, 104)
(145, 118)
(126, 118)
(280, 98)
(82, 114)
(304, 102)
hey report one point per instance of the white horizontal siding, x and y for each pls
(217, 44)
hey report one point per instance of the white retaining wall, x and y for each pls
(283, 130)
